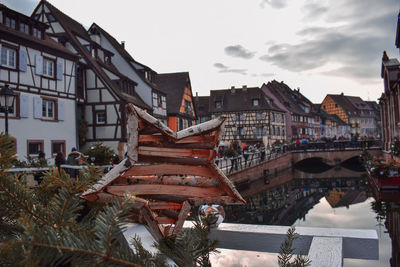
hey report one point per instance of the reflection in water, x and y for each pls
(287, 202)
(329, 202)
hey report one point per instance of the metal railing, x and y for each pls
(234, 164)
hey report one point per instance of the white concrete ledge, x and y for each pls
(357, 243)
(326, 251)
(325, 246)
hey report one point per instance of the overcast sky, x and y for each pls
(321, 46)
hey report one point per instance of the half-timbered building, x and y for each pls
(102, 90)
(251, 117)
(142, 74)
(354, 111)
(42, 74)
(301, 121)
(390, 101)
(180, 105)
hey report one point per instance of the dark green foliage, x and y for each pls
(191, 247)
(99, 154)
(51, 225)
(286, 252)
(82, 130)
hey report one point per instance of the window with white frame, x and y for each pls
(48, 67)
(48, 109)
(255, 102)
(8, 57)
(100, 117)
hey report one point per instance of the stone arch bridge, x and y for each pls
(324, 164)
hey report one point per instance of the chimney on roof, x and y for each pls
(298, 89)
(244, 87)
(197, 94)
(232, 89)
(342, 94)
(123, 44)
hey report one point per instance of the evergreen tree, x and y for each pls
(51, 225)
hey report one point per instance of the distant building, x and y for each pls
(202, 108)
(301, 121)
(102, 90)
(251, 117)
(42, 74)
(389, 101)
(331, 125)
(353, 111)
(141, 74)
(180, 105)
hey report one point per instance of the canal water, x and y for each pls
(318, 202)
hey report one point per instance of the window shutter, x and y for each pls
(37, 107)
(61, 113)
(60, 70)
(22, 60)
(38, 65)
(24, 106)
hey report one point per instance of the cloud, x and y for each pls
(278, 4)
(225, 69)
(238, 51)
(352, 43)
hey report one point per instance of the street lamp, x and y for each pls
(7, 99)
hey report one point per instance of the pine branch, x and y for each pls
(19, 195)
(105, 257)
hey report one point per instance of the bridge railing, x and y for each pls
(244, 161)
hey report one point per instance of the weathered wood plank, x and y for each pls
(151, 120)
(161, 139)
(202, 128)
(162, 205)
(175, 180)
(326, 252)
(108, 178)
(168, 169)
(165, 220)
(183, 214)
(227, 184)
(183, 161)
(154, 189)
(173, 152)
(155, 229)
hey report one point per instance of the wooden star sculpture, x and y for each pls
(168, 172)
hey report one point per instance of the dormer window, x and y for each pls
(255, 102)
(37, 33)
(10, 22)
(147, 75)
(218, 104)
(23, 27)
